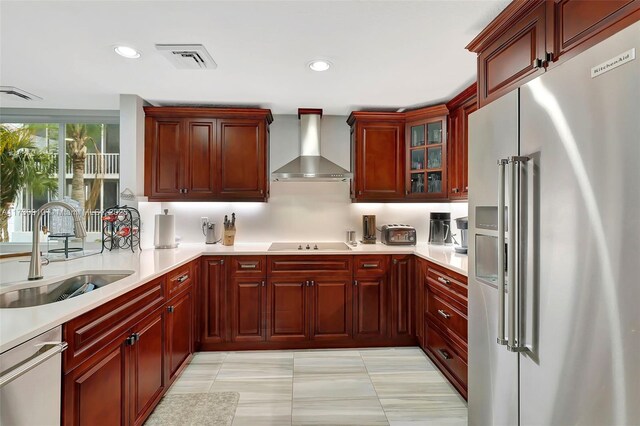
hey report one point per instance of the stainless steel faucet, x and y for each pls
(35, 267)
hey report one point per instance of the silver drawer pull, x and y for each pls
(248, 266)
(369, 265)
(443, 314)
(182, 278)
(445, 354)
(46, 351)
(444, 281)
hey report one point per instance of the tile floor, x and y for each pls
(386, 386)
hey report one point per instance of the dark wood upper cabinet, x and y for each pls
(458, 142)
(212, 154)
(378, 154)
(528, 37)
(243, 153)
(426, 153)
(515, 57)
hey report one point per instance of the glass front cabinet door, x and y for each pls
(426, 160)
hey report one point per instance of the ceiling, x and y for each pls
(385, 54)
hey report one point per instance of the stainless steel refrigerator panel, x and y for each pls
(493, 371)
(582, 208)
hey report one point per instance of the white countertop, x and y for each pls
(18, 325)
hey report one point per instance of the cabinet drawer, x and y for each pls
(443, 312)
(95, 329)
(179, 280)
(447, 355)
(447, 283)
(371, 265)
(248, 265)
(306, 265)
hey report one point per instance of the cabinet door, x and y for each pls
(242, 151)
(427, 159)
(201, 165)
(455, 153)
(379, 161)
(287, 309)
(510, 61)
(97, 391)
(164, 164)
(331, 308)
(179, 332)
(147, 365)
(213, 302)
(248, 309)
(370, 307)
(401, 321)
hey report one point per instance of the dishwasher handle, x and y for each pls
(47, 350)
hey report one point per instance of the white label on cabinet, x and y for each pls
(614, 62)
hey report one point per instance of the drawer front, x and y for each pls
(248, 265)
(452, 287)
(95, 329)
(447, 315)
(447, 354)
(371, 265)
(306, 264)
(179, 279)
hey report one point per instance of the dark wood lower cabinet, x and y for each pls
(370, 307)
(214, 301)
(288, 315)
(179, 332)
(147, 366)
(331, 312)
(97, 392)
(248, 309)
(400, 309)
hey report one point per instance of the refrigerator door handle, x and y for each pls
(513, 280)
(501, 266)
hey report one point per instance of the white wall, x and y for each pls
(301, 211)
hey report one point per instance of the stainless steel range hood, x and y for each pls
(310, 165)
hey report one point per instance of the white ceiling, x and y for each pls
(386, 54)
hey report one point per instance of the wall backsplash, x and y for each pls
(298, 211)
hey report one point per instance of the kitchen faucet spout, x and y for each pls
(35, 267)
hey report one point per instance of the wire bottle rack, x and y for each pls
(120, 228)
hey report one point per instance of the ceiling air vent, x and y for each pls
(7, 91)
(187, 56)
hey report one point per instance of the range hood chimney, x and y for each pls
(310, 165)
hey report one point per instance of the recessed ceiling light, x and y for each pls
(127, 52)
(319, 65)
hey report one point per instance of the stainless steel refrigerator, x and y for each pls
(554, 245)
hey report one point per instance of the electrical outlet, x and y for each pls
(204, 221)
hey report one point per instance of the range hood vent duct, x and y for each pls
(310, 165)
(187, 56)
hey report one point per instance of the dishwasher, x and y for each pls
(31, 381)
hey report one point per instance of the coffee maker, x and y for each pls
(440, 228)
(463, 226)
(369, 229)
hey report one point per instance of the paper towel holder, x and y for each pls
(164, 237)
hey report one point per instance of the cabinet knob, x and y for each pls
(261, 192)
(537, 63)
(445, 354)
(262, 283)
(306, 283)
(359, 192)
(313, 283)
(395, 261)
(454, 190)
(170, 309)
(355, 282)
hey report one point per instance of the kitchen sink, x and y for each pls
(54, 292)
(309, 247)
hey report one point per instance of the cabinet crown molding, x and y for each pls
(511, 14)
(191, 112)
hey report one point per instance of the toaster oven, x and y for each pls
(398, 235)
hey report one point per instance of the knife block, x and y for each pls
(228, 237)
